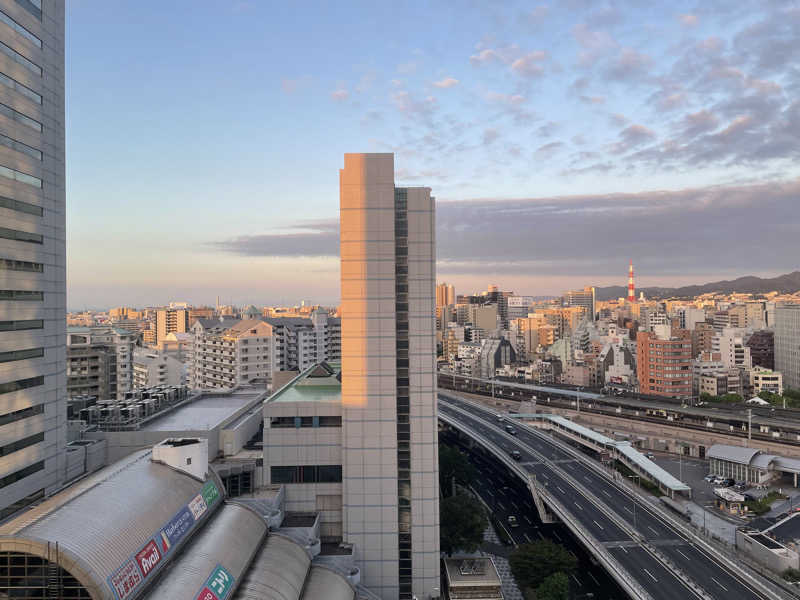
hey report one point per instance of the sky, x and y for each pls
(560, 140)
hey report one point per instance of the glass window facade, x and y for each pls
(21, 325)
(8, 264)
(20, 206)
(13, 355)
(15, 386)
(21, 60)
(306, 474)
(20, 176)
(21, 236)
(20, 147)
(17, 116)
(20, 444)
(32, 6)
(21, 295)
(21, 474)
(4, 18)
(22, 89)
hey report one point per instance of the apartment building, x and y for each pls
(171, 320)
(152, 368)
(787, 344)
(664, 363)
(99, 362)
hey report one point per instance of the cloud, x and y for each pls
(593, 99)
(594, 44)
(536, 16)
(548, 150)
(407, 68)
(487, 55)
(548, 129)
(631, 137)
(629, 65)
(661, 231)
(697, 123)
(530, 65)
(447, 82)
(689, 20)
(340, 95)
(489, 136)
(406, 103)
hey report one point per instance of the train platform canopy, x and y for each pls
(149, 526)
(633, 457)
(756, 465)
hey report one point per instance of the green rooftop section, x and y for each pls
(319, 383)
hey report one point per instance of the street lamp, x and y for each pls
(639, 482)
(578, 398)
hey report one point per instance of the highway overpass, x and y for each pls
(651, 555)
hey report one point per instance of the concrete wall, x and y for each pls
(776, 561)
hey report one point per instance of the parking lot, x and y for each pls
(691, 471)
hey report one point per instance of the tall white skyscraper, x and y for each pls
(32, 251)
(787, 344)
(389, 436)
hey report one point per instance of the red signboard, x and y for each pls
(148, 558)
(207, 594)
(126, 580)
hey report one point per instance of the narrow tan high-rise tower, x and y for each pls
(389, 437)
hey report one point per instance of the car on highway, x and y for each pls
(515, 454)
(510, 430)
(499, 418)
(651, 456)
(512, 521)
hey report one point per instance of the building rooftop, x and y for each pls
(473, 571)
(737, 454)
(319, 383)
(204, 413)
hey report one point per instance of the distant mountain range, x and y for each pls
(785, 284)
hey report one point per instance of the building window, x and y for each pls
(21, 325)
(14, 355)
(307, 474)
(21, 236)
(22, 89)
(21, 474)
(20, 444)
(19, 117)
(20, 176)
(21, 295)
(20, 147)
(20, 206)
(4, 18)
(32, 6)
(19, 59)
(7, 264)
(25, 413)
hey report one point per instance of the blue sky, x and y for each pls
(204, 141)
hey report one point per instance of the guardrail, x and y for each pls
(620, 574)
(732, 562)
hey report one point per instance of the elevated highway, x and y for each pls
(648, 554)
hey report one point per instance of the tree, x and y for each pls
(554, 587)
(462, 522)
(531, 564)
(454, 464)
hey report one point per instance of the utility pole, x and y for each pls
(749, 425)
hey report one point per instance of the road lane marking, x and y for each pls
(587, 479)
(628, 509)
(558, 537)
(651, 575)
(527, 537)
(578, 505)
(653, 530)
(593, 579)
(527, 519)
(500, 505)
(540, 534)
(623, 549)
(606, 493)
(682, 554)
(578, 581)
(560, 490)
(598, 524)
(719, 584)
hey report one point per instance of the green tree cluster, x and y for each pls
(554, 587)
(462, 522)
(454, 465)
(532, 564)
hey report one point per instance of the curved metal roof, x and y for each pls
(737, 454)
(102, 523)
(230, 541)
(277, 573)
(325, 584)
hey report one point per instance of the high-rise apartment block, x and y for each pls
(171, 320)
(32, 251)
(664, 363)
(445, 294)
(585, 298)
(389, 427)
(787, 344)
(231, 352)
(99, 362)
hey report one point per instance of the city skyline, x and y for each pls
(522, 119)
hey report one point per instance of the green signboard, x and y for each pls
(210, 493)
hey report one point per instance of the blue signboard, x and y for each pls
(173, 531)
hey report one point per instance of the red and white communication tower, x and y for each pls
(631, 289)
